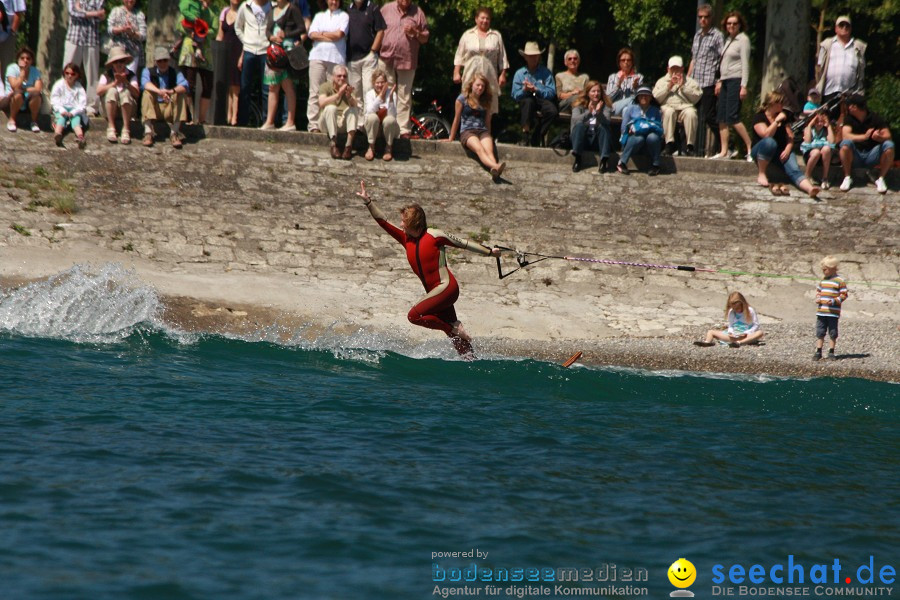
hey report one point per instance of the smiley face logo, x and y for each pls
(682, 573)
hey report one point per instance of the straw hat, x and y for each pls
(531, 49)
(117, 53)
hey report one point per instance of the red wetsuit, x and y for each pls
(427, 258)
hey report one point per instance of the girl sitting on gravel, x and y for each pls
(743, 325)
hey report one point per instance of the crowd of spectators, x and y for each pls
(361, 67)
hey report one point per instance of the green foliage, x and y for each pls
(643, 20)
(20, 229)
(884, 99)
(466, 8)
(555, 18)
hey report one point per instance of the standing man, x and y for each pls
(406, 30)
(83, 44)
(10, 22)
(677, 96)
(363, 43)
(705, 52)
(250, 28)
(534, 89)
(328, 33)
(840, 67)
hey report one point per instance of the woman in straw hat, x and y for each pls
(118, 87)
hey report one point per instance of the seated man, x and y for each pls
(677, 94)
(22, 89)
(867, 142)
(570, 82)
(164, 90)
(535, 90)
(339, 111)
(118, 87)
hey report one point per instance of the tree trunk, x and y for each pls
(551, 55)
(162, 16)
(52, 25)
(787, 43)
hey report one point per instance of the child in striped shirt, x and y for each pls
(830, 295)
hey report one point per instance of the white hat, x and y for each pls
(676, 61)
(531, 49)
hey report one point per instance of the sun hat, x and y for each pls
(117, 53)
(161, 53)
(531, 49)
(643, 90)
(676, 61)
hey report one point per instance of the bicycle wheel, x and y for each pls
(433, 127)
(255, 113)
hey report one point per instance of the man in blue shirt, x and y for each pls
(535, 90)
(163, 96)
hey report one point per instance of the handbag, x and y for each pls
(643, 126)
(298, 58)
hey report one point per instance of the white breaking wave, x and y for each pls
(83, 304)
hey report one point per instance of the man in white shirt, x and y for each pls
(328, 33)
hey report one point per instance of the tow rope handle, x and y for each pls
(520, 259)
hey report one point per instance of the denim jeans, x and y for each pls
(251, 78)
(637, 143)
(767, 149)
(867, 158)
(583, 139)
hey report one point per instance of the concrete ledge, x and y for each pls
(510, 153)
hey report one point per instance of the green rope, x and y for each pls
(804, 278)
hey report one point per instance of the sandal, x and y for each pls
(125, 138)
(111, 135)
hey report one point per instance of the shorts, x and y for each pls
(829, 324)
(728, 109)
(479, 133)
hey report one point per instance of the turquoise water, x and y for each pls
(137, 462)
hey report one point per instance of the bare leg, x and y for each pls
(112, 111)
(723, 139)
(485, 158)
(761, 178)
(814, 156)
(742, 132)
(288, 86)
(273, 107)
(233, 95)
(847, 160)
(751, 338)
(887, 159)
(826, 162)
(806, 186)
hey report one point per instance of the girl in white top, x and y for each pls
(69, 102)
(743, 324)
(381, 115)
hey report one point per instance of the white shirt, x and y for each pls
(842, 67)
(374, 103)
(323, 22)
(63, 97)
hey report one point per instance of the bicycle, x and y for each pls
(430, 125)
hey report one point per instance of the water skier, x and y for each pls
(425, 250)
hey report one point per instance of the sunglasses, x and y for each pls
(844, 25)
(626, 60)
(71, 73)
(732, 23)
(703, 16)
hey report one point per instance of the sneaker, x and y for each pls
(831, 356)
(732, 154)
(749, 158)
(846, 184)
(881, 186)
(604, 165)
(35, 128)
(704, 344)
(621, 168)
(267, 127)
(576, 166)
(669, 150)
(288, 127)
(11, 126)
(58, 140)
(653, 171)
(718, 157)
(689, 151)
(826, 185)
(817, 356)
